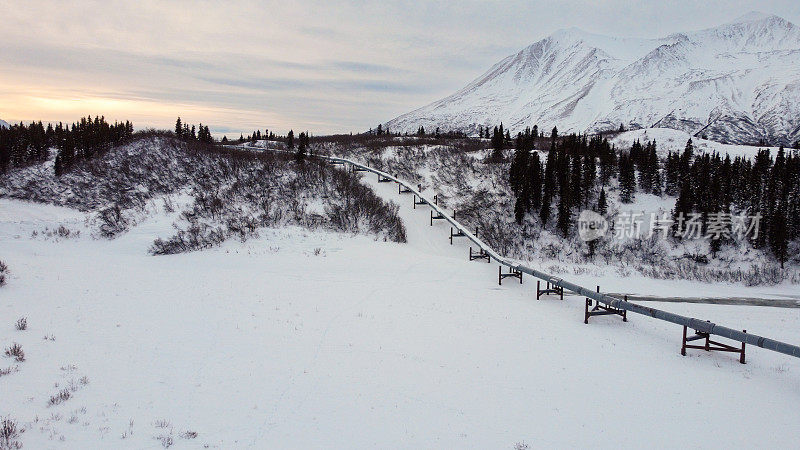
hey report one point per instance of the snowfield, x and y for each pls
(301, 339)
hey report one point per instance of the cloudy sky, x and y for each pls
(325, 66)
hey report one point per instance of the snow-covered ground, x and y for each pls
(304, 339)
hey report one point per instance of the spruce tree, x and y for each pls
(519, 167)
(497, 144)
(627, 179)
(534, 182)
(564, 210)
(300, 156)
(602, 205)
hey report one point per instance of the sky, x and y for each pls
(322, 66)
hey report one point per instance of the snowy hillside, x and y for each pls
(482, 195)
(736, 83)
(233, 192)
(3, 123)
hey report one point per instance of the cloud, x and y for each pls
(319, 65)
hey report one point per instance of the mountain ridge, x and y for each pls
(738, 82)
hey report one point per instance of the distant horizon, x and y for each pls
(322, 68)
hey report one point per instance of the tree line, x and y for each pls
(22, 145)
(188, 133)
(577, 171)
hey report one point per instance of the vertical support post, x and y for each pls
(415, 201)
(435, 199)
(431, 218)
(625, 311)
(500, 275)
(741, 358)
(683, 345)
(538, 291)
(586, 311)
(454, 214)
(451, 235)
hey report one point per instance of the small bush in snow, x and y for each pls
(9, 370)
(166, 440)
(3, 273)
(162, 423)
(521, 446)
(62, 396)
(22, 324)
(169, 206)
(16, 352)
(9, 435)
(189, 434)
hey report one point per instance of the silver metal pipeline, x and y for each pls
(696, 324)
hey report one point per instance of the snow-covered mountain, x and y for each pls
(736, 83)
(3, 123)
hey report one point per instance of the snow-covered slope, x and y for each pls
(3, 123)
(736, 83)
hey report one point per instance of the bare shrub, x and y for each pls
(16, 352)
(3, 273)
(65, 232)
(60, 397)
(21, 324)
(166, 440)
(162, 423)
(9, 370)
(112, 221)
(189, 434)
(9, 435)
(169, 206)
(166, 437)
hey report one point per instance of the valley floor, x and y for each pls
(303, 339)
